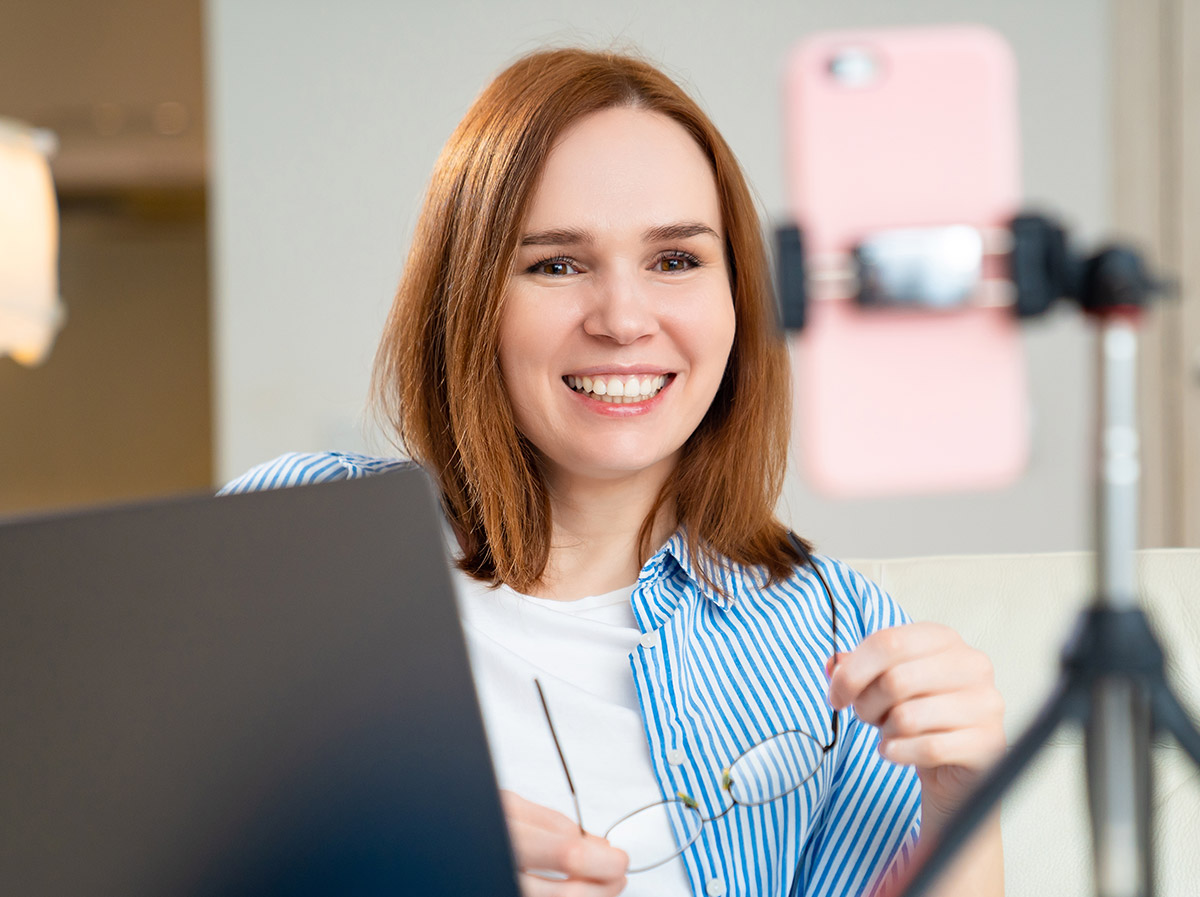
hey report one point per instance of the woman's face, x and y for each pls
(618, 318)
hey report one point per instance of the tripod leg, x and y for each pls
(1170, 715)
(1069, 701)
(1118, 760)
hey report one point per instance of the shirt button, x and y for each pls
(715, 887)
(675, 757)
(650, 639)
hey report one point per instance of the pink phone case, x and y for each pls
(901, 401)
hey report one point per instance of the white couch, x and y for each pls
(1019, 610)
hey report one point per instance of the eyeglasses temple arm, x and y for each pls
(561, 757)
(834, 722)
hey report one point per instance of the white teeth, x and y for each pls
(616, 390)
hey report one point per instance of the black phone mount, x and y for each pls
(1112, 679)
(1043, 269)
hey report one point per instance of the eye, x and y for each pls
(671, 262)
(553, 267)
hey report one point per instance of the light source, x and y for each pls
(30, 310)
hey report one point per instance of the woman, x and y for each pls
(582, 353)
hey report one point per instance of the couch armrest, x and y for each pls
(1020, 609)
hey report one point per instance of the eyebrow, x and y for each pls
(558, 237)
(576, 237)
(679, 232)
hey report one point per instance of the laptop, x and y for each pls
(258, 694)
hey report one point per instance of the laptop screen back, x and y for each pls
(255, 694)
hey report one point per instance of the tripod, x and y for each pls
(1112, 681)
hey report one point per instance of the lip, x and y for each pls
(612, 410)
(620, 370)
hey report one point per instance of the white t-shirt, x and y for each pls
(579, 652)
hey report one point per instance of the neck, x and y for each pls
(594, 541)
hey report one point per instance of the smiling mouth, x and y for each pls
(618, 390)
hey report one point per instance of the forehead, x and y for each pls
(624, 168)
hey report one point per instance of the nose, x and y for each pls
(621, 309)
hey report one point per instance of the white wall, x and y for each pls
(325, 120)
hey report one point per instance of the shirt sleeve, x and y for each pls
(872, 819)
(308, 468)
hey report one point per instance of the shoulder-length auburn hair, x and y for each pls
(437, 379)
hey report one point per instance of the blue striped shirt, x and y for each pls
(720, 674)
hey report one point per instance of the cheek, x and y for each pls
(522, 358)
(712, 336)
(728, 329)
(508, 391)
(530, 324)
(717, 345)
(514, 341)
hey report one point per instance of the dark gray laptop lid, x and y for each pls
(255, 694)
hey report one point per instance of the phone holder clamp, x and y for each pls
(1042, 269)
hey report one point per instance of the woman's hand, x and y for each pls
(935, 703)
(554, 859)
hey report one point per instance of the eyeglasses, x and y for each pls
(766, 771)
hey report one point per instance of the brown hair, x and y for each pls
(437, 379)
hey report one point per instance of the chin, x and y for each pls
(605, 469)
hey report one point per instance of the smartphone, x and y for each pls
(898, 139)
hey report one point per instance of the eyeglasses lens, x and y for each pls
(774, 767)
(767, 771)
(655, 834)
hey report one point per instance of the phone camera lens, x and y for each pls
(854, 67)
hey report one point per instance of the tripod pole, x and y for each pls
(1118, 728)
(1112, 674)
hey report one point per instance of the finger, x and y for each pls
(533, 886)
(547, 841)
(957, 669)
(577, 857)
(881, 651)
(944, 713)
(976, 748)
(517, 807)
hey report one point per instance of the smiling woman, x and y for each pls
(498, 220)
(582, 353)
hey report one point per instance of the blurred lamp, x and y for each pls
(30, 310)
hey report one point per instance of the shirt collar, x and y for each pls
(732, 578)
